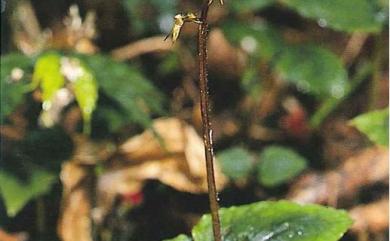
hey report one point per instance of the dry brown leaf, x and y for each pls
(147, 147)
(75, 218)
(179, 162)
(373, 217)
(179, 143)
(77, 177)
(176, 158)
(90, 153)
(365, 168)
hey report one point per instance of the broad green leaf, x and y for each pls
(128, 87)
(16, 192)
(13, 66)
(375, 125)
(330, 104)
(276, 221)
(86, 92)
(344, 15)
(314, 70)
(181, 237)
(47, 74)
(236, 162)
(279, 164)
(259, 39)
(249, 5)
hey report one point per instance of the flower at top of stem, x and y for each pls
(179, 21)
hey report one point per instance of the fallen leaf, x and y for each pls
(179, 146)
(373, 217)
(175, 156)
(75, 218)
(78, 180)
(91, 153)
(366, 167)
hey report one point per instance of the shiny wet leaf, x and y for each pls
(308, 68)
(337, 14)
(276, 221)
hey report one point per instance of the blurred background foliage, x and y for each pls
(297, 87)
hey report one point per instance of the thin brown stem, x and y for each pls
(376, 74)
(207, 131)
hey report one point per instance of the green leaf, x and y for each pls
(47, 73)
(128, 87)
(314, 70)
(276, 221)
(236, 162)
(344, 15)
(375, 125)
(279, 164)
(13, 90)
(330, 104)
(16, 192)
(259, 39)
(249, 5)
(86, 92)
(181, 237)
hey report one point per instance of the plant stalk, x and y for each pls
(41, 217)
(207, 131)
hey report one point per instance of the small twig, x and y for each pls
(143, 46)
(365, 168)
(377, 60)
(40, 215)
(354, 47)
(207, 131)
